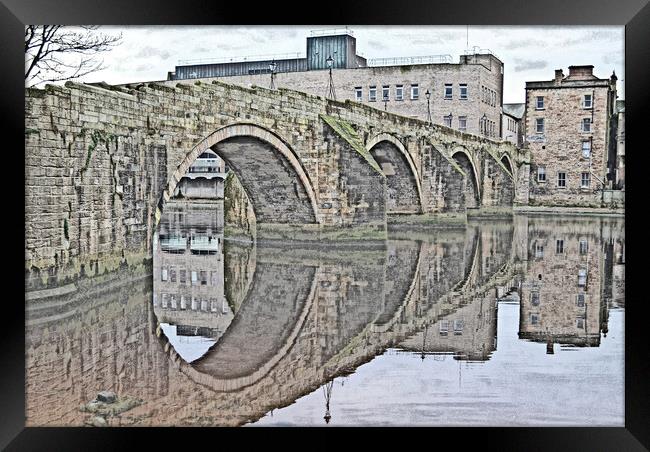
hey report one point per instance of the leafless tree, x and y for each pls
(56, 52)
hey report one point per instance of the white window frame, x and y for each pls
(461, 87)
(539, 251)
(462, 123)
(534, 298)
(584, 246)
(541, 171)
(415, 91)
(586, 150)
(358, 93)
(445, 118)
(372, 93)
(538, 122)
(449, 91)
(399, 92)
(582, 277)
(580, 300)
(583, 123)
(385, 92)
(537, 101)
(584, 101)
(582, 180)
(561, 179)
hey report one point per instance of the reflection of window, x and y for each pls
(559, 246)
(214, 278)
(539, 250)
(583, 246)
(183, 302)
(580, 300)
(582, 277)
(444, 327)
(534, 298)
(182, 276)
(213, 305)
(194, 277)
(172, 274)
(459, 324)
(580, 323)
(534, 319)
(204, 277)
(163, 275)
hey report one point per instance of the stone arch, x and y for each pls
(404, 192)
(472, 186)
(268, 169)
(507, 162)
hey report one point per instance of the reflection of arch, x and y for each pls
(386, 137)
(228, 143)
(464, 160)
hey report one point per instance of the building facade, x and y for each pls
(568, 130)
(511, 123)
(466, 96)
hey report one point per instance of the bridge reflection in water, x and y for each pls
(230, 333)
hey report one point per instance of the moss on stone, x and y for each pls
(345, 131)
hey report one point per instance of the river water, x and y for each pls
(500, 323)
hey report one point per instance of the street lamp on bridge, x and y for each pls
(427, 94)
(330, 89)
(272, 66)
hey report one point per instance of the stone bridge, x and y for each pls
(101, 161)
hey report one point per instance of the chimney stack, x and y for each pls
(558, 76)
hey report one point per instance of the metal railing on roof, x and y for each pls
(401, 61)
(332, 31)
(477, 50)
(243, 59)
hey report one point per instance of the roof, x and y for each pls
(514, 110)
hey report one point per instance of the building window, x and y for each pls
(561, 179)
(586, 149)
(534, 319)
(385, 92)
(358, 93)
(182, 274)
(584, 180)
(534, 298)
(415, 92)
(539, 103)
(462, 123)
(448, 91)
(586, 103)
(447, 120)
(372, 94)
(163, 275)
(582, 277)
(539, 125)
(399, 92)
(580, 323)
(559, 246)
(172, 275)
(193, 277)
(584, 246)
(444, 327)
(463, 91)
(539, 251)
(541, 174)
(580, 300)
(459, 324)
(586, 124)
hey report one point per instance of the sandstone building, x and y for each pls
(511, 123)
(466, 96)
(568, 129)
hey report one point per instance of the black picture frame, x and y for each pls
(634, 14)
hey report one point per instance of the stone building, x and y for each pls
(511, 123)
(568, 130)
(204, 179)
(466, 96)
(620, 144)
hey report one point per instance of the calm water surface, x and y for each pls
(500, 323)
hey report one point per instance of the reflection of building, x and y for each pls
(620, 144)
(204, 179)
(189, 273)
(466, 96)
(567, 285)
(568, 129)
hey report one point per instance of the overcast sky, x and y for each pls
(528, 53)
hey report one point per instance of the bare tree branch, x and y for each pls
(57, 53)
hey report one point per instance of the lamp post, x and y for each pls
(451, 119)
(272, 66)
(385, 103)
(484, 122)
(427, 94)
(330, 91)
